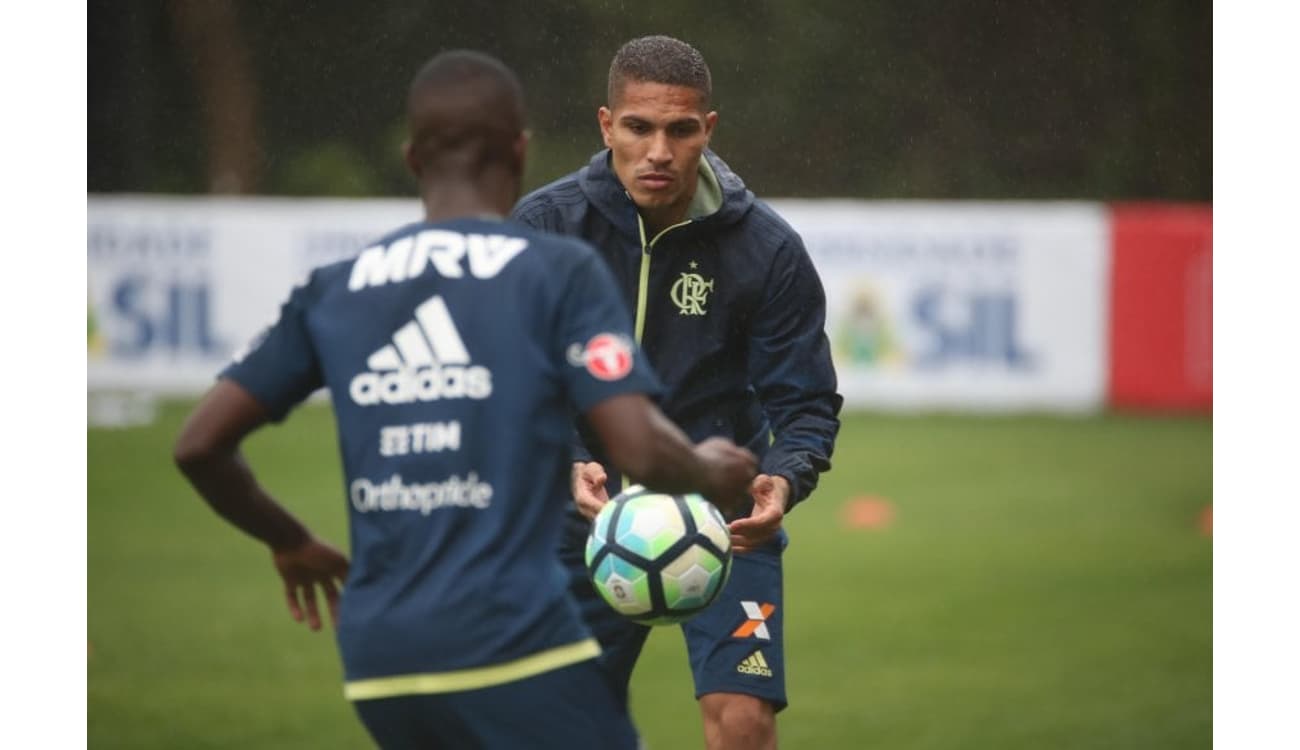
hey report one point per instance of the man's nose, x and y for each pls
(659, 154)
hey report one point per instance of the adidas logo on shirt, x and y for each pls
(427, 361)
(755, 664)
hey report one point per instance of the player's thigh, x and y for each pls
(572, 707)
(568, 708)
(737, 645)
(414, 722)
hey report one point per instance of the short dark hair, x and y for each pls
(660, 59)
(464, 108)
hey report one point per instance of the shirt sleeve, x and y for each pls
(598, 356)
(279, 367)
(791, 369)
(535, 211)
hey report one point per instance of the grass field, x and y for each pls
(1044, 584)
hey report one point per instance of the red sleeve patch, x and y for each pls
(606, 356)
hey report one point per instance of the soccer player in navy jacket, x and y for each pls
(454, 351)
(730, 312)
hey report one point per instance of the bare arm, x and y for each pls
(642, 443)
(207, 452)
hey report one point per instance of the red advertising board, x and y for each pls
(1161, 307)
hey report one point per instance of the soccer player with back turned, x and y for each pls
(730, 312)
(453, 350)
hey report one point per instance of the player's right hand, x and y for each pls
(729, 471)
(589, 488)
(305, 566)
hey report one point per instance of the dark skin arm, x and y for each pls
(642, 443)
(207, 452)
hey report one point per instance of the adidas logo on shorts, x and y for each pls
(755, 664)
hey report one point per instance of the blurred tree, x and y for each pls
(207, 31)
(860, 98)
(333, 168)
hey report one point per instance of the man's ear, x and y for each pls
(606, 119)
(521, 149)
(408, 156)
(710, 122)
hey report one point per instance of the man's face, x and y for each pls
(657, 133)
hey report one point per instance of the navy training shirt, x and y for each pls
(454, 354)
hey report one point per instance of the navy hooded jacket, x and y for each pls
(729, 311)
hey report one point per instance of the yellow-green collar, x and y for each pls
(708, 193)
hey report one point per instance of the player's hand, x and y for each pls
(589, 491)
(771, 493)
(730, 469)
(305, 567)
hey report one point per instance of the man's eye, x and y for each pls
(638, 128)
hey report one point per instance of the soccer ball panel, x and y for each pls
(709, 521)
(623, 585)
(649, 525)
(600, 527)
(594, 546)
(691, 580)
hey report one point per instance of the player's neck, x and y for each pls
(658, 219)
(489, 195)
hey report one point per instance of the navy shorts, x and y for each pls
(570, 707)
(735, 646)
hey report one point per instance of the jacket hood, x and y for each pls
(602, 187)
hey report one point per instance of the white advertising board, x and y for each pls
(961, 306)
(178, 285)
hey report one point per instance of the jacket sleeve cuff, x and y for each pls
(798, 493)
(801, 485)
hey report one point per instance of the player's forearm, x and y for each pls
(671, 465)
(649, 449)
(658, 454)
(225, 482)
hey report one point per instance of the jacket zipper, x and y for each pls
(644, 283)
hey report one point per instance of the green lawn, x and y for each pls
(1044, 584)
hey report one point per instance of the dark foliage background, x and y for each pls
(857, 98)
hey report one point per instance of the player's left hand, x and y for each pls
(770, 493)
(589, 492)
(304, 567)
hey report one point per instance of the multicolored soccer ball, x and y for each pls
(658, 559)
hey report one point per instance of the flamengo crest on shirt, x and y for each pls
(690, 293)
(408, 257)
(427, 361)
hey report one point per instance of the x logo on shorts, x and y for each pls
(756, 621)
